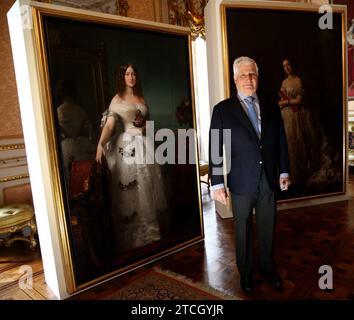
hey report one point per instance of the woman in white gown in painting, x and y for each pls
(138, 200)
(310, 155)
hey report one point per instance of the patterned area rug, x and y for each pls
(159, 284)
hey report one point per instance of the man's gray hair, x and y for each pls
(243, 60)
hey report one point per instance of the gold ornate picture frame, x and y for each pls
(79, 51)
(317, 126)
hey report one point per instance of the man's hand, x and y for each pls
(220, 195)
(284, 183)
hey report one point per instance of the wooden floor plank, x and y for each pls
(14, 293)
(42, 288)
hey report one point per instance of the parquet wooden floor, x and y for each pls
(305, 239)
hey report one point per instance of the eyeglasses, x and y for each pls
(247, 76)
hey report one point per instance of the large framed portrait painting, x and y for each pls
(302, 66)
(120, 117)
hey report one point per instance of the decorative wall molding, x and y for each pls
(8, 147)
(13, 162)
(13, 178)
(197, 26)
(13, 168)
(188, 13)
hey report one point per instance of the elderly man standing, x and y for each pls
(259, 165)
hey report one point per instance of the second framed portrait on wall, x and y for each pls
(302, 68)
(120, 121)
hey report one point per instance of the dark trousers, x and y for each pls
(264, 203)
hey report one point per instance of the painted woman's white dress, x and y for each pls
(299, 132)
(137, 193)
(309, 152)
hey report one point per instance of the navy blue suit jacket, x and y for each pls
(249, 153)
